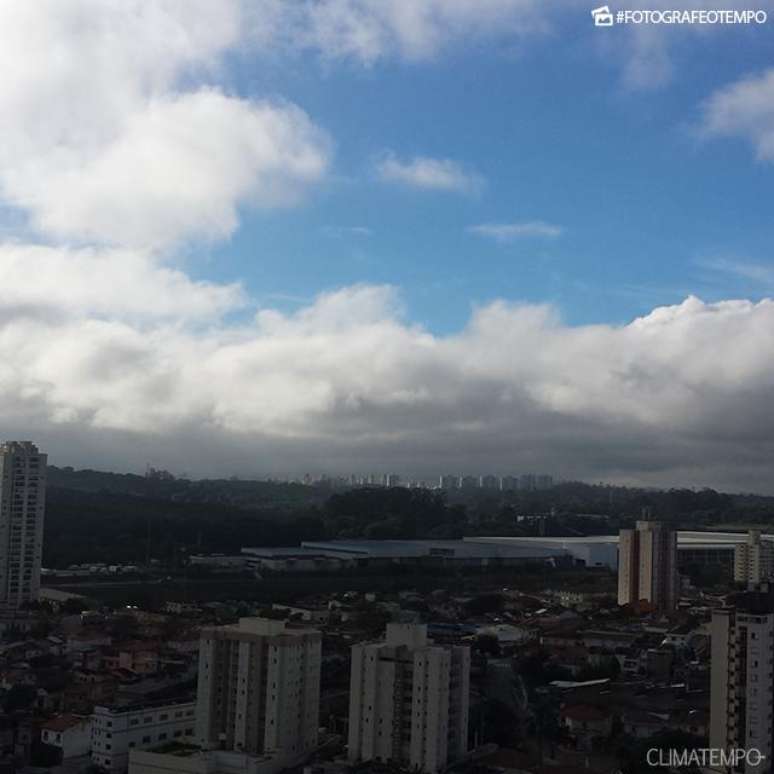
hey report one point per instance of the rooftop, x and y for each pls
(458, 549)
(63, 722)
(584, 713)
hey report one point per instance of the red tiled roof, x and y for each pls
(62, 722)
(584, 712)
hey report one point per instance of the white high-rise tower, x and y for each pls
(22, 507)
(408, 700)
(259, 689)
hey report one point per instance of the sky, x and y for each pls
(272, 237)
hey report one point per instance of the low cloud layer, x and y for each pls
(346, 382)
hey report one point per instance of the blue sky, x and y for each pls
(645, 204)
(277, 237)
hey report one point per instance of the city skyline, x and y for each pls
(278, 237)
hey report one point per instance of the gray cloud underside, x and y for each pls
(345, 383)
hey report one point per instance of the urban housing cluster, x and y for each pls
(593, 647)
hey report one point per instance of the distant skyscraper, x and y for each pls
(408, 700)
(259, 688)
(527, 482)
(468, 482)
(392, 479)
(647, 565)
(753, 560)
(509, 483)
(544, 481)
(490, 482)
(22, 508)
(449, 482)
(742, 689)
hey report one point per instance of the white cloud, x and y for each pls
(63, 284)
(757, 277)
(111, 134)
(649, 55)
(371, 30)
(428, 173)
(685, 388)
(343, 231)
(744, 109)
(508, 232)
(181, 168)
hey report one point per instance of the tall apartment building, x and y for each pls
(527, 482)
(753, 560)
(742, 688)
(544, 481)
(259, 688)
(468, 482)
(117, 730)
(448, 482)
(509, 483)
(647, 565)
(22, 507)
(408, 700)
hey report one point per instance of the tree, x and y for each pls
(485, 603)
(19, 697)
(487, 644)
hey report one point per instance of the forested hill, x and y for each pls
(96, 516)
(162, 486)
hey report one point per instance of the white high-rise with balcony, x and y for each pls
(754, 560)
(742, 688)
(22, 507)
(647, 566)
(259, 689)
(408, 700)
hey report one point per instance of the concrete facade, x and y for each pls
(117, 730)
(753, 560)
(22, 508)
(259, 688)
(742, 684)
(70, 733)
(409, 700)
(647, 566)
(200, 762)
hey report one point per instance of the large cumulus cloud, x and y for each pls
(347, 382)
(115, 129)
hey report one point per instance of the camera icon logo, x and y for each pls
(602, 16)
